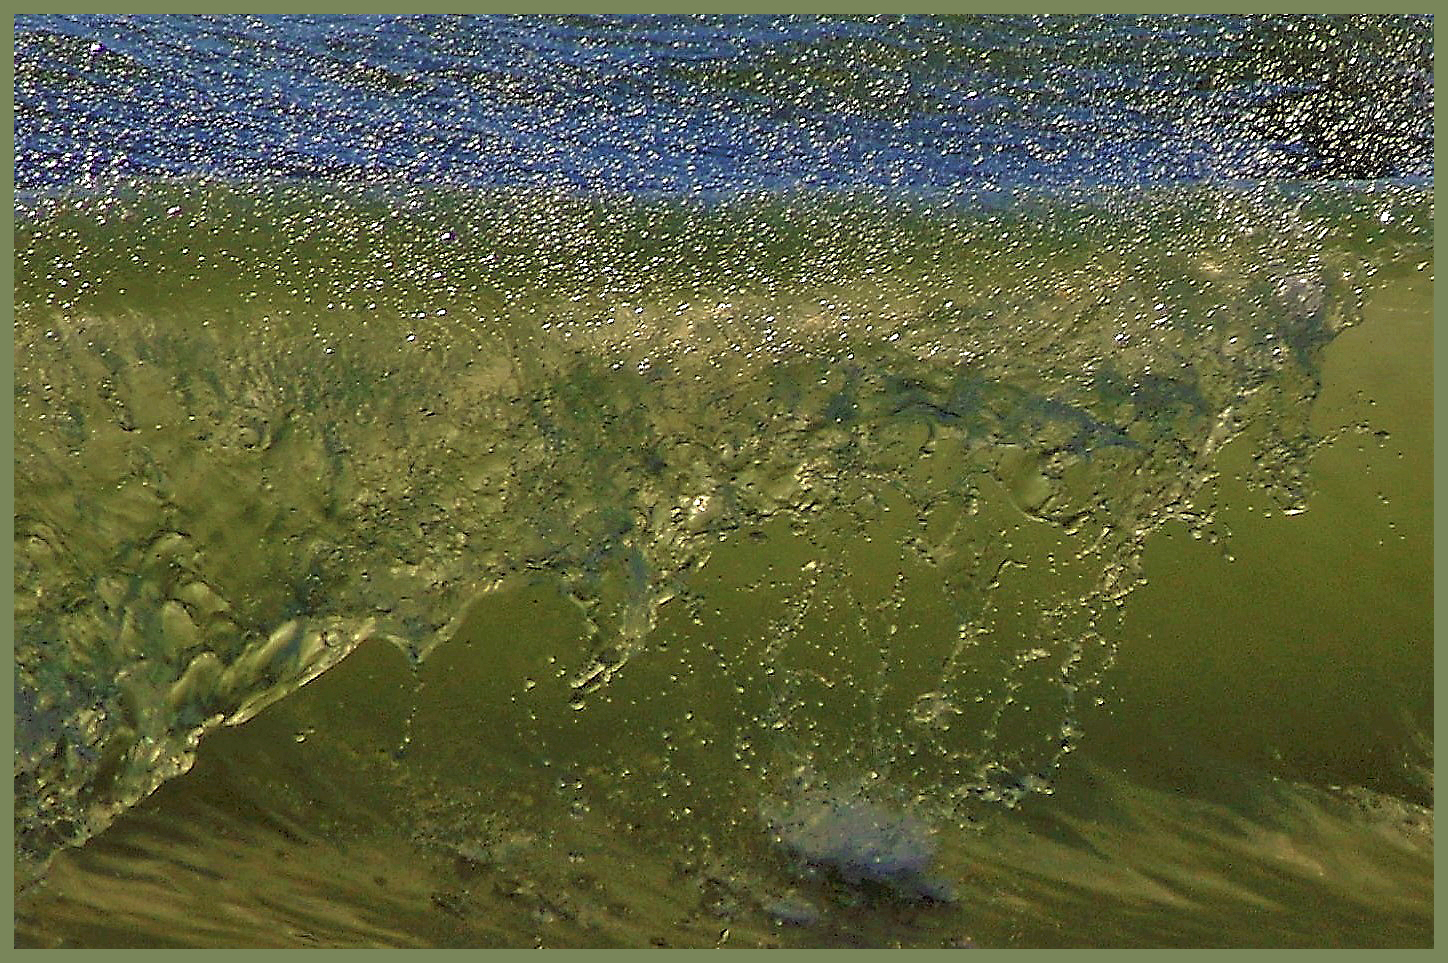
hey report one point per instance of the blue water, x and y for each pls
(711, 105)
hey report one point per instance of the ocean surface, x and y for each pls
(723, 481)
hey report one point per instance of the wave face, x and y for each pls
(755, 430)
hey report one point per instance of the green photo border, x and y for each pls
(1440, 423)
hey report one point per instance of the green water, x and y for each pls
(1092, 533)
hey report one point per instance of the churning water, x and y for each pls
(743, 481)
